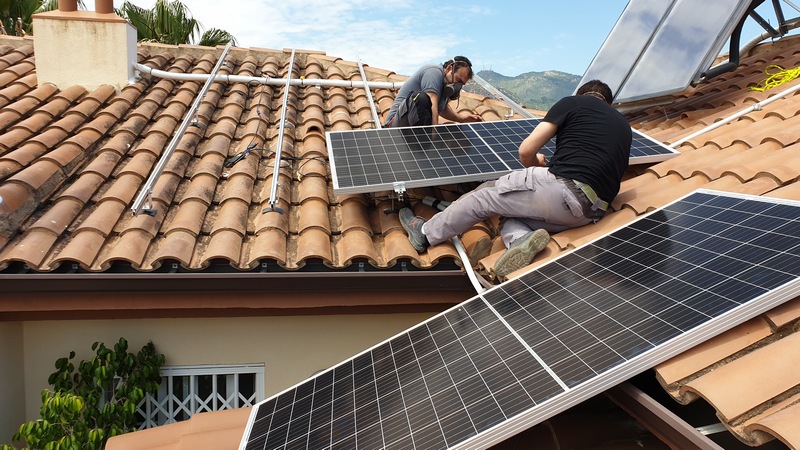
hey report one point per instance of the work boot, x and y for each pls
(521, 252)
(480, 250)
(413, 226)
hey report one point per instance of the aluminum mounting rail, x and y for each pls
(500, 96)
(273, 195)
(375, 117)
(146, 193)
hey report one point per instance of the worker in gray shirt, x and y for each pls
(425, 95)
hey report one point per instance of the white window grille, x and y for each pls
(186, 390)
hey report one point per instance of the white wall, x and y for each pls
(292, 347)
(12, 392)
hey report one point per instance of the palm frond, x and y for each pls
(215, 36)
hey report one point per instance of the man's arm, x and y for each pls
(434, 107)
(529, 149)
(450, 114)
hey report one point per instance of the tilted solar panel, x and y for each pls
(391, 158)
(536, 345)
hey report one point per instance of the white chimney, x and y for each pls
(86, 48)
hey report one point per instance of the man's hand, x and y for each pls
(472, 118)
(540, 160)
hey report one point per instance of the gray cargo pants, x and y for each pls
(526, 199)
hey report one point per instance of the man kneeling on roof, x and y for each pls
(425, 95)
(593, 142)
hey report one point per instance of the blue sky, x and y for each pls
(509, 37)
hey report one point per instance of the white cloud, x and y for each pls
(398, 35)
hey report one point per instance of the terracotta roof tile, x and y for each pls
(357, 243)
(130, 246)
(786, 314)
(104, 218)
(704, 356)
(34, 249)
(226, 245)
(759, 375)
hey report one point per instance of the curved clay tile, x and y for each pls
(32, 249)
(706, 160)
(60, 215)
(757, 186)
(225, 244)
(42, 177)
(237, 186)
(781, 424)
(313, 214)
(735, 160)
(165, 187)
(313, 243)
(84, 187)
(145, 222)
(140, 164)
(270, 244)
(178, 245)
(82, 248)
(233, 214)
(741, 385)
(439, 252)
(104, 217)
(312, 187)
(353, 215)
(273, 219)
(313, 145)
(189, 217)
(396, 247)
(202, 187)
(104, 162)
(356, 244)
(66, 155)
(390, 221)
(704, 356)
(659, 193)
(131, 246)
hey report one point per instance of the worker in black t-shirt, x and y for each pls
(593, 143)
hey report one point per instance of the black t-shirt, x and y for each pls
(593, 143)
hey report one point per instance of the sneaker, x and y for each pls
(413, 226)
(521, 252)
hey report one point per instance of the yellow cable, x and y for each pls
(776, 78)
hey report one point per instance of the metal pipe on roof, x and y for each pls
(731, 118)
(265, 80)
(276, 170)
(375, 117)
(147, 190)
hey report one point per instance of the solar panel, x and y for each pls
(391, 158)
(533, 346)
(659, 47)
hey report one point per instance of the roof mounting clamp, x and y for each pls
(399, 187)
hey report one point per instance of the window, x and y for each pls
(186, 390)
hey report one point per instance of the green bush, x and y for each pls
(95, 402)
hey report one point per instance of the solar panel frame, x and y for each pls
(409, 157)
(481, 340)
(651, 34)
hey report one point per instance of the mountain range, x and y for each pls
(534, 90)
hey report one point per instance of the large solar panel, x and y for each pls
(536, 345)
(403, 158)
(651, 35)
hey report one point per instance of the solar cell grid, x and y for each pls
(533, 346)
(381, 159)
